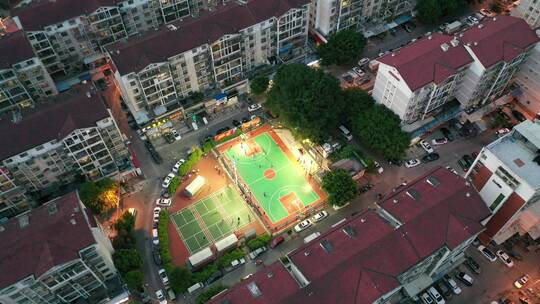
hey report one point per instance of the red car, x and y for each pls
(275, 242)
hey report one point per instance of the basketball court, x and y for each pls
(272, 175)
(211, 218)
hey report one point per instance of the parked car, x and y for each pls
(487, 13)
(236, 123)
(452, 284)
(430, 157)
(426, 299)
(412, 163)
(408, 28)
(424, 144)
(302, 225)
(525, 300)
(518, 115)
(439, 141)
(358, 71)
(175, 134)
(214, 277)
(444, 290)
(276, 241)
(177, 165)
(487, 253)
(436, 295)
(163, 276)
(255, 253)
(363, 61)
(319, 216)
(503, 257)
(156, 256)
(519, 283)
(473, 265)
(465, 278)
(167, 180)
(502, 131)
(452, 170)
(169, 138)
(161, 297)
(254, 107)
(447, 134)
(238, 262)
(156, 211)
(164, 202)
(463, 164)
(171, 294)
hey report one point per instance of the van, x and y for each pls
(171, 294)
(195, 287)
(346, 132)
(311, 237)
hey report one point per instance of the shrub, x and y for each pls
(175, 182)
(208, 294)
(227, 258)
(262, 240)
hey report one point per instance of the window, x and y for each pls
(497, 202)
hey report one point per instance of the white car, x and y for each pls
(176, 135)
(487, 253)
(177, 165)
(487, 12)
(380, 169)
(453, 285)
(161, 297)
(167, 180)
(319, 216)
(503, 257)
(302, 225)
(426, 299)
(426, 146)
(439, 141)
(452, 170)
(163, 276)
(155, 239)
(359, 71)
(363, 61)
(412, 163)
(157, 210)
(436, 295)
(522, 281)
(254, 107)
(255, 253)
(164, 202)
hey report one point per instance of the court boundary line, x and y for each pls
(179, 212)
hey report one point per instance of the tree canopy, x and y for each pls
(340, 187)
(101, 196)
(134, 280)
(306, 100)
(343, 48)
(379, 128)
(259, 84)
(126, 260)
(431, 11)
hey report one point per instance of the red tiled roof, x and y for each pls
(499, 39)
(363, 268)
(273, 282)
(48, 121)
(512, 205)
(134, 55)
(50, 239)
(480, 178)
(424, 61)
(42, 13)
(14, 48)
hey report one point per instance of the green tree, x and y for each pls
(175, 182)
(262, 240)
(340, 187)
(452, 7)
(306, 100)
(379, 129)
(126, 260)
(343, 48)
(124, 232)
(101, 196)
(209, 293)
(134, 280)
(259, 84)
(496, 6)
(355, 102)
(181, 279)
(429, 11)
(125, 222)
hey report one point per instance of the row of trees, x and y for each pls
(313, 105)
(184, 169)
(126, 258)
(432, 11)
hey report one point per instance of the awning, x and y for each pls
(220, 96)
(403, 18)
(160, 110)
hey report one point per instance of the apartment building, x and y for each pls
(214, 52)
(528, 10)
(430, 223)
(417, 80)
(506, 173)
(331, 16)
(56, 253)
(23, 77)
(528, 79)
(71, 138)
(499, 45)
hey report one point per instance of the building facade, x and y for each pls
(157, 73)
(528, 10)
(528, 79)
(329, 17)
(56, 253)
(78, 139)
(424, 222)
(506, 173)
(417, 80)
(23, 77)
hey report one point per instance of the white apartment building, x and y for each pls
(157, 73)
(416, 80)
(528, 79)
(529, 10)
(74, 137)
(23, 77)
(56, 253)
(506, 174)
(499, 46)
(331, 16)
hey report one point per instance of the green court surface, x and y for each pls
(272, 177)
(211, 219)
